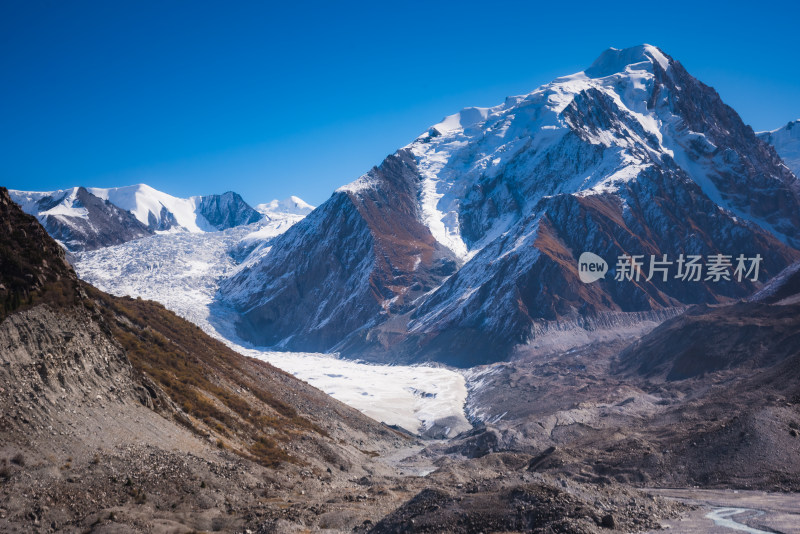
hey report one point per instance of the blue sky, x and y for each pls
(269, 100)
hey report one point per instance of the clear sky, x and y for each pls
(270, 99)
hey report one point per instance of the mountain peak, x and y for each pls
(87, 218)
(788, 127)
(791, 126)
(614, 60)
(289, 206)
(454, 247)
(463, 119)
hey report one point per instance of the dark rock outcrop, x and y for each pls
(227, 210)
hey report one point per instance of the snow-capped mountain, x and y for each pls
(80, 220)
(226, 210)
(290, 206)
(464, 244)
(786, 141)
(90, 218)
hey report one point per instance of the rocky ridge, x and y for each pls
(460, 244)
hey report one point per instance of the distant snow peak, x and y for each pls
(522, 139)
(786, 141)
(90, 218)
(157, 210)
(289, 206)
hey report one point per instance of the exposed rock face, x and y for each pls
(746, 176)
(227, 210)
(315, 297)
(783, 289)
(459, 244)
(534, 276)
(64, 360)
(301, 287)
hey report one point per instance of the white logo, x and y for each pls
(591, 267)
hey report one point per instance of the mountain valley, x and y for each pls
(422, 352)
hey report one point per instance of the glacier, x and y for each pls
(182, 271)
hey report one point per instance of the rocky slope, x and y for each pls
(461, 245)
(703, 340)
(308, 300)
(709, 398)
(33, 267)
(783, 289)
(122, 397)
(737, 422)
(90, 218)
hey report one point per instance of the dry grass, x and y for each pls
(203, 377)
(221, 391)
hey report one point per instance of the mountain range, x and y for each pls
(502, 240)
(463, 246)
(119, 416)
(84, 218)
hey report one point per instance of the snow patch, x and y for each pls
(364, 182)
